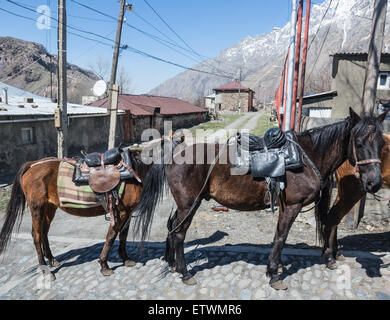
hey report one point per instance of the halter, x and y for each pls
(362, 162)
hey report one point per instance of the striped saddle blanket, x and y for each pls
(73, 196)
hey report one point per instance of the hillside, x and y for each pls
(346, 27)
(26, 65)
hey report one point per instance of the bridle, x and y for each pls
(362, 162)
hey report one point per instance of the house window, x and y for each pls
(27, 135)
(384, 81)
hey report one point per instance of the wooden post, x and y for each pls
(296, 65)
(352, 219)
(62, 130)
(113, 106)
(303, 70)
(113, 114)
(374, 56)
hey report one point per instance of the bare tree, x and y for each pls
(101, 67)
(124, 81)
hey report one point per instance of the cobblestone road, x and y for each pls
(223, 272)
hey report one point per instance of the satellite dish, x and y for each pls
(99, 88)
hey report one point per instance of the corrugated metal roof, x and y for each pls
(39, 106)
(144, 105)
(351, 54)
(232, 86)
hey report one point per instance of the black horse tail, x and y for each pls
(322, 208)
(15, 208)
(152, 193)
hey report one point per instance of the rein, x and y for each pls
(362, 162)
(194, 204)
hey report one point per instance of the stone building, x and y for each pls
(143, 112)
(228, 97)
(348, 73)
(27, 129)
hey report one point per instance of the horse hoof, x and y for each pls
(54, 263)
(340, 257)
(107, 272)
(331, 266)
(280, 269)
(278, 285)
(190, 282)
(129, 263)
(172, 269)
(49, 277)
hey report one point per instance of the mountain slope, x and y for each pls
(26, 65)
(346, 27)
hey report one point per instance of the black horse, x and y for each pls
(327, 147)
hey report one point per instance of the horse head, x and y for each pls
(365, 149)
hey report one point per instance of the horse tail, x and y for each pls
(152, 193)
(15, 208)
(322, 208)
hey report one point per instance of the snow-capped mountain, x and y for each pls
(335, 26)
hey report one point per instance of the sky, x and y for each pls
(205, 27)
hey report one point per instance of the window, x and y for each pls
(27, 135)
(384, 81)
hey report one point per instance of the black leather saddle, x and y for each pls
(114, 157)
(272, 155)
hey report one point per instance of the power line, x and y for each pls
(177, 35)
(69, 26)
(323, 41)
(134, 50)
(158, 39)
(322, 19)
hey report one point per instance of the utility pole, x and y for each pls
(113, 105)
(51, 78)
(296, 70)
(289, 102)
(374, 56)
(61, 112)
(239, 93)
(304, 60)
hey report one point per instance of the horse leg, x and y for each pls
(37, 234)
(110, 238)
(178, 241)
(337, 255)
(285, 221)
(49, 216)
(122, 244)
(169, 255)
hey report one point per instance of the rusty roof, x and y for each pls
(145, 105)
(232, 86)
(356, 54)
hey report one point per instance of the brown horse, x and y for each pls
(37, 184)
(327, 147)
(350, 191)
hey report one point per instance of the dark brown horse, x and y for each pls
(37, 184)
(350, 191)
(327, 147)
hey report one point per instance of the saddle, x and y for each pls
(269, 157)
(103, 172)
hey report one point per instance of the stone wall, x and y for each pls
(84, 133)
(230, 101)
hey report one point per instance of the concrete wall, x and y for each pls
(89, 134)
(348, 79)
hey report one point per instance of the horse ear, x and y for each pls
(354, 116)
(383, 115)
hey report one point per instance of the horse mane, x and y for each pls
(368, 126)
(139, 166)
(323, 137)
